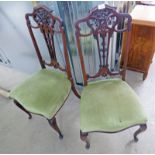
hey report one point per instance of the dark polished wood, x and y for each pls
(53, 124)
(103, 23)
(84, 137)
(142, 128)
(22, 108)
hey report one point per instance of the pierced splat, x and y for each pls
(103, 41)
(102, 24)
(48, 36)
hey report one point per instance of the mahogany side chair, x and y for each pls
(107, 105)
(45, 92)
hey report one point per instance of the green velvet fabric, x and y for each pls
(43, 93)
(109, 106)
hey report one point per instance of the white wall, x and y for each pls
(15, 41)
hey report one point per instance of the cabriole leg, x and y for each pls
(22, 108)
(84, 138)
(53, 124)
(75, 92)
(142, 128)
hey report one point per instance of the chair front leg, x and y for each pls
(84, 138)
(53, 124)
(142, 128)
(22, 108)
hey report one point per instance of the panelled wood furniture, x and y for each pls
(108, 105)
(142, 46)
(45, 92)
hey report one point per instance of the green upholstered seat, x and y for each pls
(43, 93)
(109, 106)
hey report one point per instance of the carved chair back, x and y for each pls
(49, 25)
(103, 21)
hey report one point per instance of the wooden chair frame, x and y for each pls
(46, 21)
(100, 23)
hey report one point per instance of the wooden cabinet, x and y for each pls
(142, 41)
